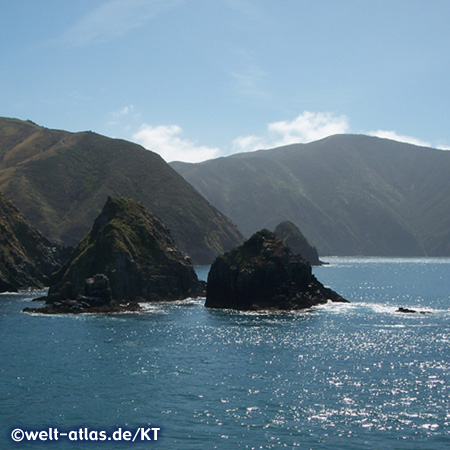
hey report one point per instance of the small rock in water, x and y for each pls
(410, 311)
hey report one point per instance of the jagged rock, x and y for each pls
(97, 298)
(27, 258)
(263, 273)
(134, 252)
(98, 287)
(297, 242)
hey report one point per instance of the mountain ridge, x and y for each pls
(61, 180)
(349, 194)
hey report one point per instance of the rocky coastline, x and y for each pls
(128, 257)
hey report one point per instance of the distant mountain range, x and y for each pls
(348, 194)
(60, 182)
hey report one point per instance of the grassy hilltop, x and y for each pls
(61, 181)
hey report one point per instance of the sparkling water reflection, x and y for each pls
(337, 376)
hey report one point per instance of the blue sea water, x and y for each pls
(339, 376)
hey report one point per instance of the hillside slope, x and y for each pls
(61, 180)
(349, 194)
(27, 259)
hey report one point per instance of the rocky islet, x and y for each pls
(263, 273)
(128, 257)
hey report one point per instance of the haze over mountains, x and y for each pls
(348, 194)
(60, 182)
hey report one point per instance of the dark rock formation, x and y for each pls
(263, 273)
(294, 238)
(27, 259)
(96, 299)
(135, 253)
(410, 311)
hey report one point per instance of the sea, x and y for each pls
(338, 376)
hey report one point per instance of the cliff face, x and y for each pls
(27, 259)
(294, 238)
(61, 180)
(136, 253)
(263, 273)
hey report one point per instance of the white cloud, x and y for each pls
(307, 127)
(398, 137)
(113, 19)
(166, 141)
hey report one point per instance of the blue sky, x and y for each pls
(197, 79)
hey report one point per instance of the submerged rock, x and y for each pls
(297, 242)
(27, 259)
(263, 273)
(410, 311)
(136, 257)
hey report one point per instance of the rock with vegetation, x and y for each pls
(263, 273)
(27, 259)
(131, 257)
(61, 180)
(289, 233)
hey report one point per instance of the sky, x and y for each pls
(199, 79)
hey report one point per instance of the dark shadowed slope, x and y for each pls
(27, 259)
(349, 194)
(61, 180)
(290, 234)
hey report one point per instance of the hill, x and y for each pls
(61, 180)
(294, 238)
(349, 194)
(27, 259)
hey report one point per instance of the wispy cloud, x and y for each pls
(123, 118)
(113, 19)
(399, 137)
(250, 10)
(167, 141)
(307, 127)
(125, 111)
(250, 82)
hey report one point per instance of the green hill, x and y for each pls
(349, 194)
(61, 180)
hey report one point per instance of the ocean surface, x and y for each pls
(339, 376)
